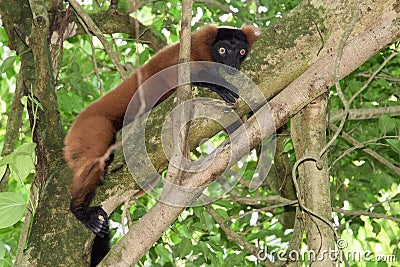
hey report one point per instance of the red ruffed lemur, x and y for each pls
(94, 129)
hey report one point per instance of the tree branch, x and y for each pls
(366, 213)
(93, 28)
(366, 113)
(116, 22)
(14, 122)
(369, 151)
(252, 201)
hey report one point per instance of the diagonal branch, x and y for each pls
(369, 151)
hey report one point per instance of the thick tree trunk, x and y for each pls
(309, 137)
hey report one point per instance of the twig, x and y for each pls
(367, 213)
(317, 158)
(257, 200)
(386, 76)
(93, 28)
(233, 236)
(268, 208)
(94, 60)
(370, 152)
(366, 113)
(14, 122)
(365, 86)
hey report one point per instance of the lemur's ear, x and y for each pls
(252, 33)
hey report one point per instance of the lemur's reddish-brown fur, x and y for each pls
(94, 129)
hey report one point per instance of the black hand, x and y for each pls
(226, 90)
(94, 218)
(228, 93)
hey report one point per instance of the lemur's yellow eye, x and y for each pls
(222, 50)
(242, 52)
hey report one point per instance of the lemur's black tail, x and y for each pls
(100, 248)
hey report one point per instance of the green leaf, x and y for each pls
(224, 203)
(123, 5)
(164, 253)
(184, 231)
(26, 148)
(387, 124)
(204, 248)
(199, 261)
(355, 227)
(371, 239)
(23, 160)
(198, 211)
(379, 209)
(355, 85)
(185, 247)
(12, 208)
(376, 228)
(208, 221)
(382, 264)
(223, 213)
(174, 239)
(7, 64)
(3, 36)
(288, 146)
(144, 56)
(396, 252)
(394, 145)
(2, 250)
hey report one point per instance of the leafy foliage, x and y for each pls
(12, 208)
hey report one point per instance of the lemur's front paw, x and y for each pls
(228, 95)
(94, 218)
(97, 221)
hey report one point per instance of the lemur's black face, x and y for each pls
(230, 48)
